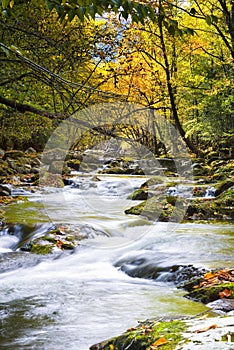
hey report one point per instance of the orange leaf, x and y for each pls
(226, 293)
(213, 326)
(208, 275)
(131, 329)
(160, 341)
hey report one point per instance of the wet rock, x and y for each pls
(219, 208)
(47, 179)
(140, 194)
(122, 166)
(222, 305)
(5, 190)
(30, 150)
(144, 266)
(146, 335)
(223, 186)
(5, 169)
(213, 286)
(194, 333)
(13, 154)
(59, 167)
(160, 208)
(56, 154)
(60, 238)
(74, 164)
(2, 152)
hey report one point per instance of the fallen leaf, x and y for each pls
(208, 275)
(226, 293)
(59, 243)
(213, 326)
(160, 341)
(131, 329)
(203, 317)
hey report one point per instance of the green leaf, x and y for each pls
(208, 20)
(214, 19)
(71, 15)
(6, 51)
(193, 11)
(50, 6)
(173, 23)
(171, 29)
(92, 11)
(5, 4)
(81, 12)
(189, 31)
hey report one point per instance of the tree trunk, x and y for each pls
(172, 97)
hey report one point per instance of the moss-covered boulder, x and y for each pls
(219, 208)
(211, 293)
(140, 194)
(51, 180)
(223, 186)
(5, 169)
(222, 170)
(211, 286)
(121, 166)
(74, 164)
(5, 190)
(160, 208)
(148, 335)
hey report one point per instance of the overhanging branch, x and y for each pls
(23, 108)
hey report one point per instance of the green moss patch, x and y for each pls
(161, 207)
(220, 208)
(211, 293)
(212, 286)
(145, 335)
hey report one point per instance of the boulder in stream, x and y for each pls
(5, 190)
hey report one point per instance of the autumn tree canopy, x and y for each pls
(173, 57)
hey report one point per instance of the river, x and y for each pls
(83, 298)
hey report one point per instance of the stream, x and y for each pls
(85, 297)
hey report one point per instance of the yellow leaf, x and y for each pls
(11, 4)
(160, 341)
(204, 317)
(213, 326)
(112, 347)
(208, 275)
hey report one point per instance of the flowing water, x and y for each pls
(83, 298)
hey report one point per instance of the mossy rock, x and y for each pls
(223, 170)
(223, 186)
(211, 293)
(41, 248)
(116, 170)
(14, 154)
(74, 164)
(51, 180)
(220, 208)
(5, 168)
(160, 208)
(152, 182)
(140, 194)
(59, 167)
(55, 154)
(145, 335)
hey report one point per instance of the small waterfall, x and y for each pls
(12, 236)
(210, 192)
